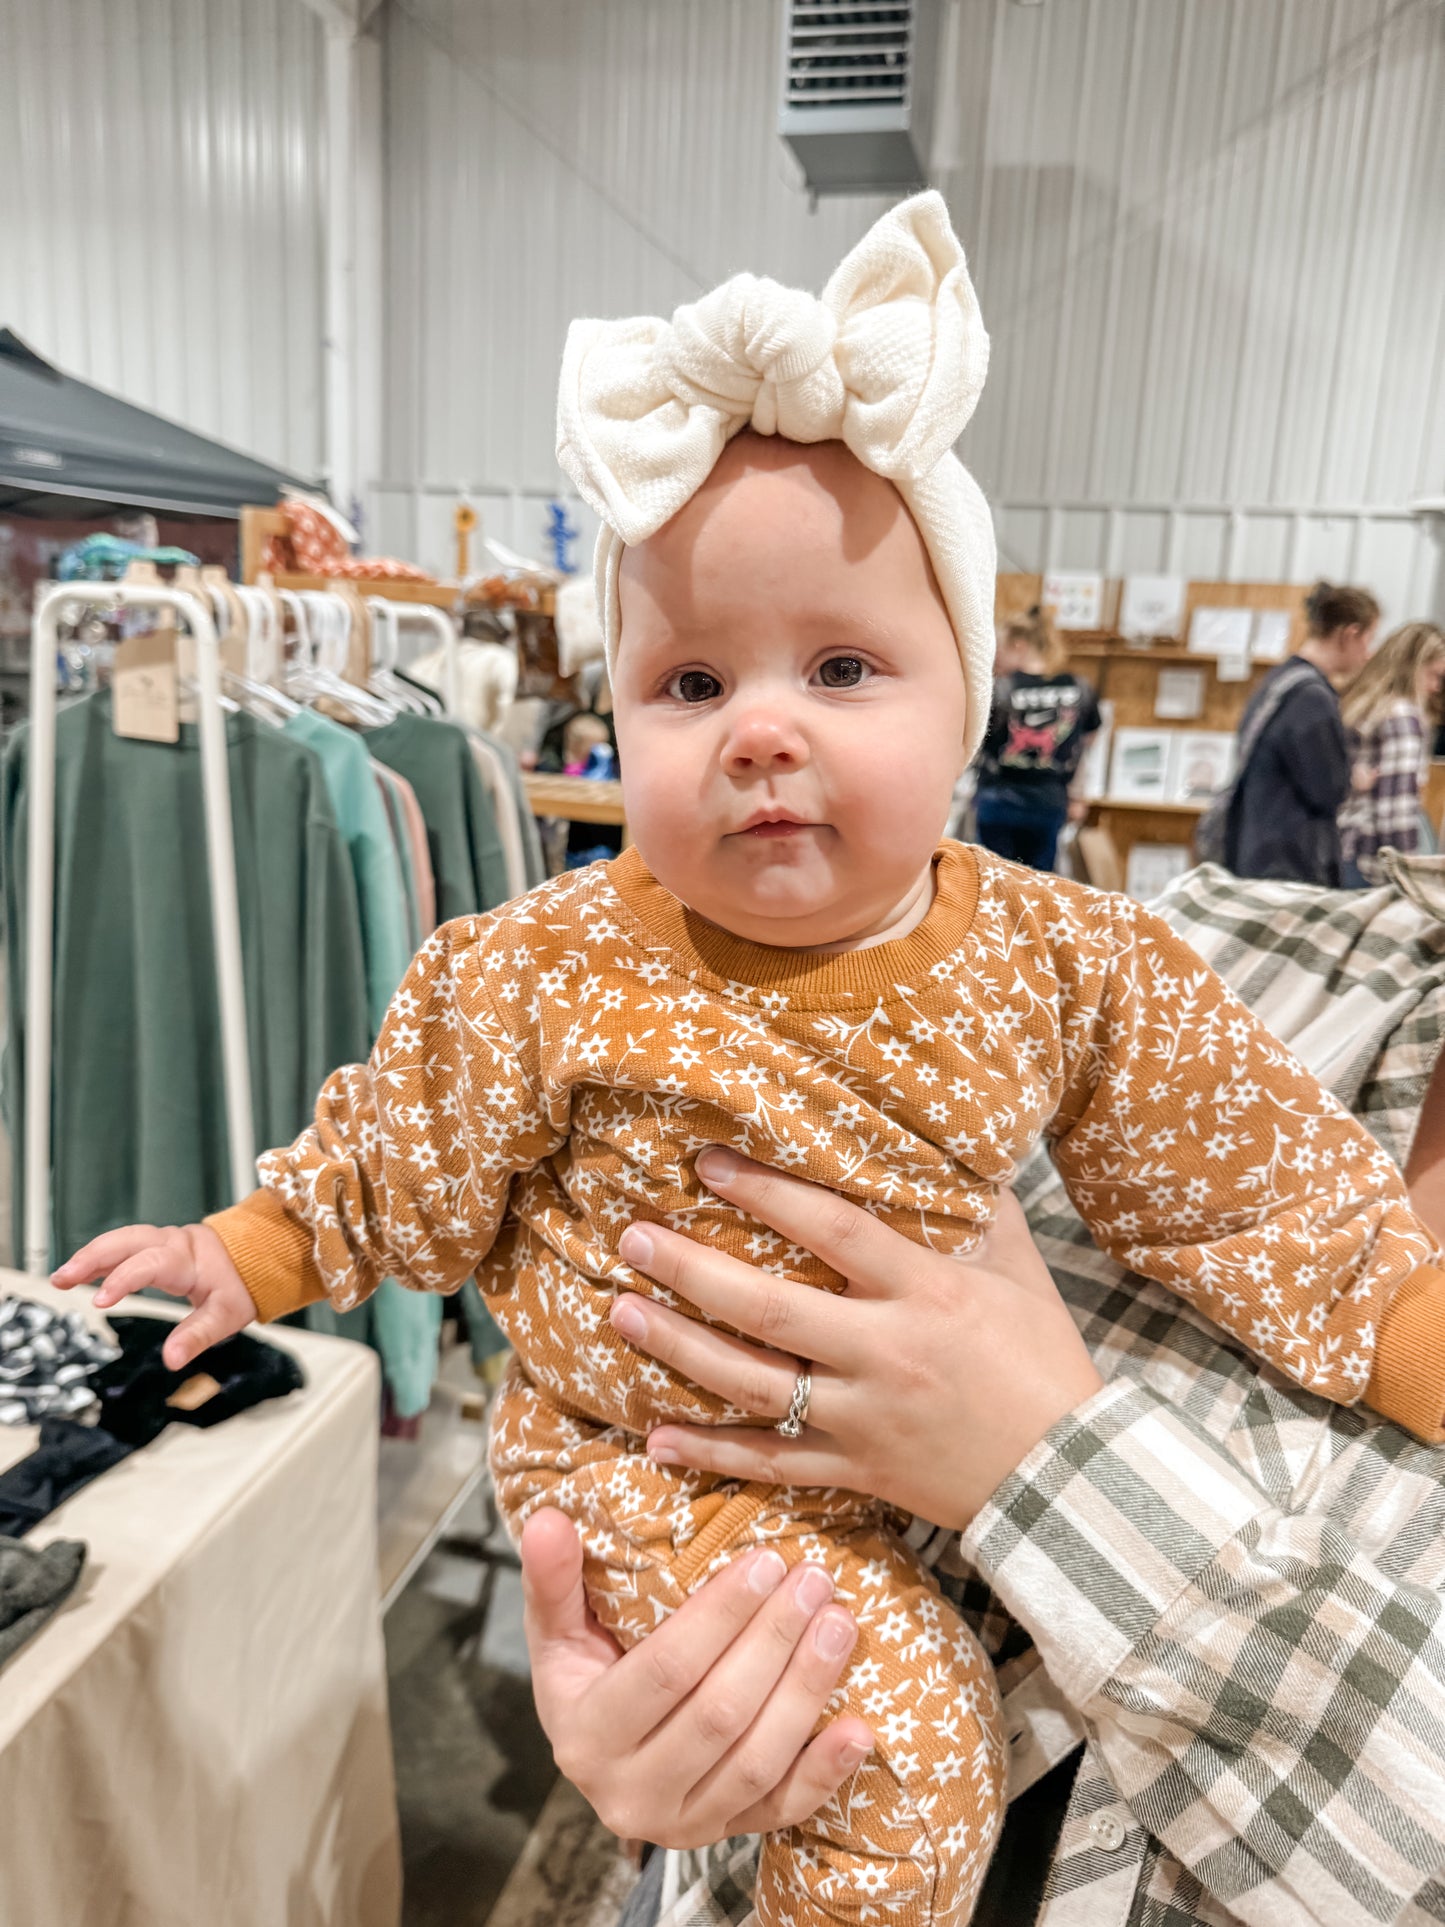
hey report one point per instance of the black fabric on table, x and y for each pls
(134, 1391)
(67, 1457)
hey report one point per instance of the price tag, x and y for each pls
(144, 692)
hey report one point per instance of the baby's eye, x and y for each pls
(843, 672)
(694, 686)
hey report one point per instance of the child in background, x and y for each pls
(1042, 720)
(796, 582)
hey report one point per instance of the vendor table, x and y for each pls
(200, 1735)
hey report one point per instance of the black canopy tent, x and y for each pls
(64, 444)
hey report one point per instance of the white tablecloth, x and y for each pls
(199, 1738)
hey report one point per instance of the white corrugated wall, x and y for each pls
(1206, 235)
(162, 228)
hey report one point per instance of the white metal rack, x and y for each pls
(221, 863)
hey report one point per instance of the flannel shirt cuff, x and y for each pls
(1114, 1514)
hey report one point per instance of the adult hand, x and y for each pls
(1363, 779)
(1078, 809)
(932, 1377)
(702, 1730)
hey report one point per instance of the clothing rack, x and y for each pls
(220, 854)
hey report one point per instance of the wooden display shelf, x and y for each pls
(441, 595)
(1116, 649)
(1153, 806)
(576, 799)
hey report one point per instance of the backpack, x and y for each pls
(1211, 836)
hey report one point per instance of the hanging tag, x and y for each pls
(195, 1393)
(144, 689)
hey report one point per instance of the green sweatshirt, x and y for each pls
(138, 1118)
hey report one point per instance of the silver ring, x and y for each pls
(791, 1427)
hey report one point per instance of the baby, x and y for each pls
(795, 576)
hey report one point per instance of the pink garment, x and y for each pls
(426, 889)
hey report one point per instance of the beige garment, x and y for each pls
(201, 1733)
(426, 889)
(493, 773)
(486, 680)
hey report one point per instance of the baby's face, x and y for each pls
(789, 699)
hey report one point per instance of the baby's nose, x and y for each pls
(764, 739)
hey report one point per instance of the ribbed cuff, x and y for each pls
(1408, 1380)
(273, 1253)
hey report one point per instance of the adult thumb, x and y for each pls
(1008, 1248)
(552, 1578)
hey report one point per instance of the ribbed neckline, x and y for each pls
(701, 951)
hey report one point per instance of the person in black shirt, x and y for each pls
(1041, 722)
(1295, 778)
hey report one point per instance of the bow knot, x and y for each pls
(890, 361)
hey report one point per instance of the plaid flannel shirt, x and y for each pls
(1228, 1592)
(1387, 816)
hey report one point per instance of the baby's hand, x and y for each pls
(188, 1261)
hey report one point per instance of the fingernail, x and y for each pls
(627, 1317)
(815, 1589)
(636, 1245)
(662, 1455)
(716, 1164)
(765, 1574)
(854, 1755)
(834, 1635)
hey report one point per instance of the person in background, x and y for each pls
(1387, 709)
(1042, 718)
(1294, 762)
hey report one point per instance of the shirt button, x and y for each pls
(1108, 1831)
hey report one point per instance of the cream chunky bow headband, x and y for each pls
(890, 361)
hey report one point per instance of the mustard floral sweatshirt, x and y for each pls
(547, 1073)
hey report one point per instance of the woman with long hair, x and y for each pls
(1388, 710)
(1282, 816)
(1042, 718)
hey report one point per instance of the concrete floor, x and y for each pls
(473, 1765)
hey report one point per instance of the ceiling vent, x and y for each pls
(858, 88)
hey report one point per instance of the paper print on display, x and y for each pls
(1203, 764)
(1153, 605)
(1269, 640)
(1221, 632)
(1153, 867)
(1094, 765)
(1179, 695)
(1142, 765)
(1074, 599)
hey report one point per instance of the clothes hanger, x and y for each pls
(384, 682)
(309, 679)
(260, 699)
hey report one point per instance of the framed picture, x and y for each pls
(1221, 632)
(1179, 695)
(1094, 769)
(1074, 600)
(1153, 867)
(1152, 606)
(1203, 764)
(1269, 639)
(1141, 770)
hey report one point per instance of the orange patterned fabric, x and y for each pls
(547, 1074)
(313, 545)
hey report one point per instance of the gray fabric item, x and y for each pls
(34, 1582)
